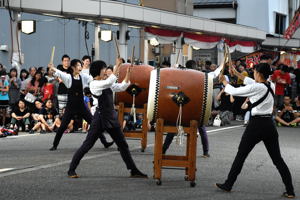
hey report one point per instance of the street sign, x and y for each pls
(2, 3)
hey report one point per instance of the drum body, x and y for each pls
(139, 78)
(171, 87)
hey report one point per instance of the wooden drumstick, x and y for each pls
(177, 59)
(132, 55)
(224, 62)
(117, 46)
(227, 58)
(52, 55)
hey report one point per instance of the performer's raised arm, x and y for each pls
(66, 78)
(99, 84)
(120, 87)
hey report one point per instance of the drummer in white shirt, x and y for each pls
(260, 128)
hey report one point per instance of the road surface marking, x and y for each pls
(6, 169)
(30, 169)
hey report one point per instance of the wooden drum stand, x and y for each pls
(187, 162)
(142, 134)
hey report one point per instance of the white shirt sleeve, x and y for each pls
(246, 91)
(216, 73)
(66, 78)
(248, 81)
(96, 86)
(86, 79)
(120, 87)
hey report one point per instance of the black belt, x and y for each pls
(261, 116)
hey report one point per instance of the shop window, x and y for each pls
(280, 23)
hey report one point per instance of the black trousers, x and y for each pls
(95, 130)
(204, 140)
(260, 129)
(68, 115)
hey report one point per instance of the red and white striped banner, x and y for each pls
(201, 41)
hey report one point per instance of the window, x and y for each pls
(280, 23)
(2, 3)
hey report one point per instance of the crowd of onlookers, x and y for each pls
(34, 101)
(287, 95)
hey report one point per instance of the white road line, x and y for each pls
(213, 132)
(210, 131)
(21, 171)
(18, 136)
(6, 169)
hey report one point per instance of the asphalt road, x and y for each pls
(28, 170)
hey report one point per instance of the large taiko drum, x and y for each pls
(169, 88)
(139, 87)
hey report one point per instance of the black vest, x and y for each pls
(75, 96)
(109, 117)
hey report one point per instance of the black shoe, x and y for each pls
(223, 187)
(72, 174)
(289, 195)
(43, 132)
(108, 144)
(135, 173)
(53, 148)
(205, 155)
(31, 131)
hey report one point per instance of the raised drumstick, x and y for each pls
(117, 46)
(177, 59)
(52, 55)
(132, 55)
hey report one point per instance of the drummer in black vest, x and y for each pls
(75, 82)
(261, 126)
(105, 118)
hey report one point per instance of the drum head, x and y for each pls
(153, 94)
(207, 99)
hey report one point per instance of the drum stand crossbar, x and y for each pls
(140, 134)
(186, 162)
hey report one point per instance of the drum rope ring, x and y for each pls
(180, 131)
(133, 110)
(180, 99)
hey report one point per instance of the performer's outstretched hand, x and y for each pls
(127, 77)
(117, 67)
(222, 79)
(51, 67)
(236, 73)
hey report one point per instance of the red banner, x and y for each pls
(288, 34)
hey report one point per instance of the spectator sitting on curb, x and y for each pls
(286, 115)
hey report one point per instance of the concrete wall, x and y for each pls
(277, 6)
(261, 13)
(253, 13)
(4, 36)
(66, 35)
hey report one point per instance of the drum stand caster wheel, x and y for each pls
(142, 150)
(192, 183)
(186, 177)
(158, 182)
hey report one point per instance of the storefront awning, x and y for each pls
(202, 41)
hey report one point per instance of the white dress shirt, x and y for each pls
(254, 91)
(85, 71)
(67, 79)
(97, 86)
